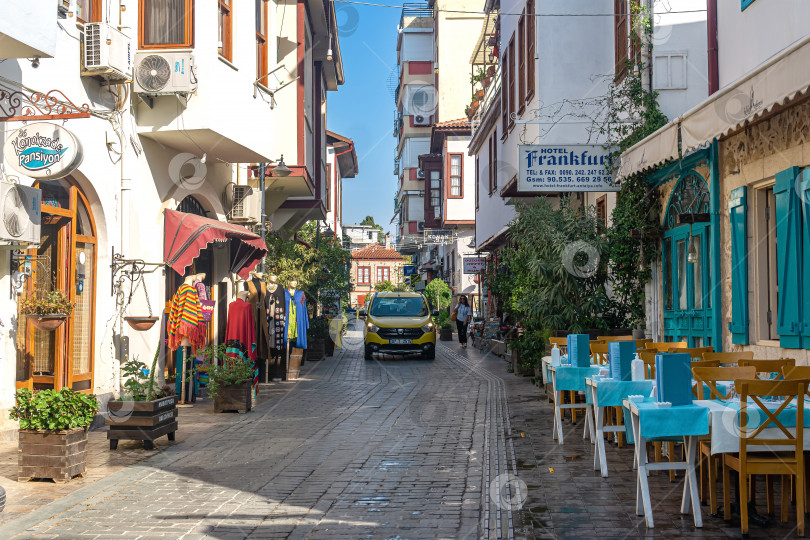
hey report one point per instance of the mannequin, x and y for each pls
(240, 333)
(276, 319)
(297, 322)
(261, 305)
(186, 326)
(243, 295)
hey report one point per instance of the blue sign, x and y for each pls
(409, 270)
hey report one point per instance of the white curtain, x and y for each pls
(165, 22)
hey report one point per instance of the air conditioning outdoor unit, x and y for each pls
(420, 173)
(247, 205)
(20, 214)
(421, 120)
(164, 73)
(420, 226)
(107, 53)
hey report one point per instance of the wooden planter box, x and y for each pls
(316, 349)
(445, 334)
(58, 455)
(141, 421)
(294, 363)
(236, 397)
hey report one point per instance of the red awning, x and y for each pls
(185, 235)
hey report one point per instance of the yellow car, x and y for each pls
(399, 323)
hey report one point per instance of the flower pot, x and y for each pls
(47, 323)
(491, 71)
(141, 421)
(141, 324)
(479, 95)
(485, 82)
(58, 455)
(474, 104)
(445, 334)
(235, 397)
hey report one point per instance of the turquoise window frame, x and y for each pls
(745, 4)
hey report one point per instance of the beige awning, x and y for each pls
(480, 55)
(773, 83)
(651, 151)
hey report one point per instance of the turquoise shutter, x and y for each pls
(738, 215)
(804, 195)
(788, 258)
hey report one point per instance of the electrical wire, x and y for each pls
(480, 12)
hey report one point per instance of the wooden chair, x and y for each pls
(785, 463)
(710, 376)
(694, 352)
(599, 352)
(770, 366)
(642, 342)
(705, 363)
(729, 357)
(648, 357)
(562, 344)
(664, 346)
(608, 339)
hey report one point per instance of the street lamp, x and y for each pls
(281, 169)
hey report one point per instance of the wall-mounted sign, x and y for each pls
(42, 150)
(438, 236)
(409, 270)
(569, 167)
(475, 265)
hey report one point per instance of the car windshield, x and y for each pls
(399, 306)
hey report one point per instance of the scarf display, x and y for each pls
(186, 319)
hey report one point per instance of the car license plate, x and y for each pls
(401, 341)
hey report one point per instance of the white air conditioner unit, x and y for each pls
(420, 226)
(247, 205)
(20, 214)
(421, 120)
(163, 73)
(107, 53)
(420, 173)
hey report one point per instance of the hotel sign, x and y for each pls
(438, 236)
(569, 167)
(43, 150)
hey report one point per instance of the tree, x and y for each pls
(369, 220)
(438, 294)
(384, 286)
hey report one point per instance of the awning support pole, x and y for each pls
(262, 228)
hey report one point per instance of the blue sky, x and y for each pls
(363, 108)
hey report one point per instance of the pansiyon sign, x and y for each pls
(43, 151)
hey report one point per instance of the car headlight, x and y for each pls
(372, 327)
(428, 328)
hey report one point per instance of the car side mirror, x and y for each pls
(435, 313)
(362, 313)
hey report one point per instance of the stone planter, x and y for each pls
(142, 421)
(58, 455)
(235, 397)
(497, 347)
(316, 349)
(445, 334)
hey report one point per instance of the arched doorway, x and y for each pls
(685, 262)
(66, 260)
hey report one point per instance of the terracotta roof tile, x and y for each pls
(461, 123)
(376, 251)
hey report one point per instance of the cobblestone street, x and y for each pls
(385, 449)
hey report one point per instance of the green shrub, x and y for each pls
(230, 373)
(53, 410)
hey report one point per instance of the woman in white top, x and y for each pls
(463, 316)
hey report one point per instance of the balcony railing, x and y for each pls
(489, 97)
(415, 9)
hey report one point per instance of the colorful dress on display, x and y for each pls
(186, 319)
(240, 335)
(297, 322)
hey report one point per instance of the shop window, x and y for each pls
(166, 23)
(261, 41)
(88, 11)
(456, 173)
(766, 263)
(56, 194)
(226, 29)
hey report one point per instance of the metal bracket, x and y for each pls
(129, 269)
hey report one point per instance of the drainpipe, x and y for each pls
(711, 28)
(714, 210)
(262, 222)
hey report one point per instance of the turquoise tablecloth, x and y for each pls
(611, 392)
(671, 422)
(756, 416)
(573, 378)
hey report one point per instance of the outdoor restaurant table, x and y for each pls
(724, 419)
(649, 422)
(602, 392)
(568, 379)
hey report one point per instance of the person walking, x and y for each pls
(463, 316)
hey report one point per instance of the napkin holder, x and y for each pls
(620, 357)
(635, 398)
(673, 378)
(579, 350)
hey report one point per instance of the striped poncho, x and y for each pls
(186, 319)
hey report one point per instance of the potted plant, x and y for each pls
(527, 352)
(317, 335)
(47, 310)
(486, 81)
(145, 411)
(479, 95)
(445, 326)
(53, 433)
(491, 70)
(231, 385)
